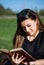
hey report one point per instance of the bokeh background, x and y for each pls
(8, 19)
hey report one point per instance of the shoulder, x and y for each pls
(42, 35)
(42, 32)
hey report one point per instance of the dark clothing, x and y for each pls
(8, 62)
(35, 47)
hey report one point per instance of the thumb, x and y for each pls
(32, 63)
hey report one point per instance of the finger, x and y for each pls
(25, 63)
(21, 59)
(32, 63)
(17, 56)
(13, 56)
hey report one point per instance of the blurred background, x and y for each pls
(8, 19)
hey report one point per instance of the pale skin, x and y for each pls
(17, 60)
(31, 28)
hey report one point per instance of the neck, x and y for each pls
(32, 37)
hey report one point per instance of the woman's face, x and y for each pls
(29, 26)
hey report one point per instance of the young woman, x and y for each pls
(29, 36)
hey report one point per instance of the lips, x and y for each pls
(28, 33)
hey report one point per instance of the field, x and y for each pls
(7, 30)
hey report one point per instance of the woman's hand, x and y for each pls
(17, 59)
(37, 62)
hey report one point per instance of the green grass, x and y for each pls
(7, 31)
(42, 19)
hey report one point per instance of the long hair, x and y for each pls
(20, 34)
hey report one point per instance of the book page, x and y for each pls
(4, 50)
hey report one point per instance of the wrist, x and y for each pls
(14, 63)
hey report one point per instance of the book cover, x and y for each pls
(21, 52)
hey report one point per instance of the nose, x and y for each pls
(27, 29)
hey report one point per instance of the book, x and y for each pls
(21, 52)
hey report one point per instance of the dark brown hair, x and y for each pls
(20, 34)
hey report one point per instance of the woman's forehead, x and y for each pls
(28, 21)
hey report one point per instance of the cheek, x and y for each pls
(34, 27)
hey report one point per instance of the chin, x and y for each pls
(31, 34)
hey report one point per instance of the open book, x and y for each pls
(21, 52)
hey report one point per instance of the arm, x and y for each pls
(37, 62)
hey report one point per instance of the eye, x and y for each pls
(28, 25)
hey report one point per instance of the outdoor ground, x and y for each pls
(7, 31)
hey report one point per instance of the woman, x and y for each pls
(29, 36)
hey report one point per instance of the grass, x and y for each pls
(7, 30)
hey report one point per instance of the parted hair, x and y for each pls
(20, 34)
